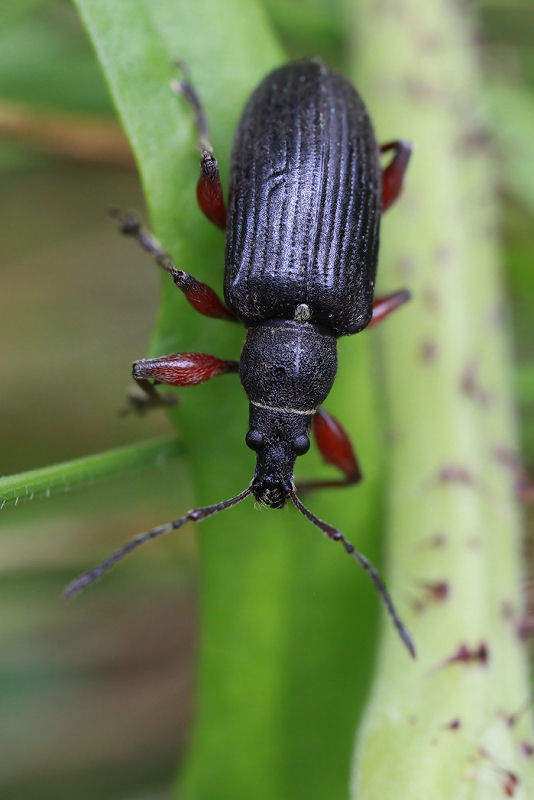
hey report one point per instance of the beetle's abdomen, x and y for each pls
(304, 202)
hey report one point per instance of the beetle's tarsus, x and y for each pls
(140, 403)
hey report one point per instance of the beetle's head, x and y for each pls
(277, 437)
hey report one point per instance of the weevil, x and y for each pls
(306, 194)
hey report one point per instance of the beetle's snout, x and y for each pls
(270, 493)
(274, 473)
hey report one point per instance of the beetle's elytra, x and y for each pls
(302, 228)
(304, 202)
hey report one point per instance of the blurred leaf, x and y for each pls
(525, 382)
(308, 27)
(80, 138)
(11, 11)
(47, 481)
(513, 126)
(508, 21)
(283, 609)
(58, 69)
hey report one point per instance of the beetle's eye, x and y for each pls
(254, 440)
(301, 444)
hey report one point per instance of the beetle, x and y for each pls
(306, 193)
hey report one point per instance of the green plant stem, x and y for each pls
(47, 481)
(438, 730)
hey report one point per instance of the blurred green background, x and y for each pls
(85, 702)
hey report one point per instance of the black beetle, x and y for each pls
(302, 230)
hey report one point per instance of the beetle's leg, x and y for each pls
(336, 449)
(179, 369)
(383, 306)
(147, 399)
(209, 187)
(393, 174)
(198, 294)
(209, 190)
(182, 369)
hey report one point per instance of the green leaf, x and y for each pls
(44, 482)
(288, 621)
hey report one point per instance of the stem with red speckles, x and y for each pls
(453, 517)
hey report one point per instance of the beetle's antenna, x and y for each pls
(337, 536)
(196, 515)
